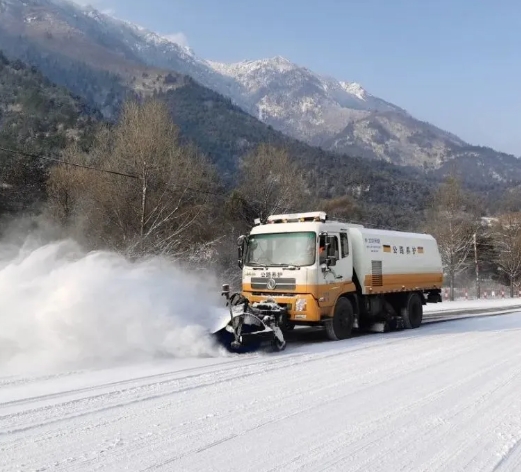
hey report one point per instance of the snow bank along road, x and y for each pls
(443, 397)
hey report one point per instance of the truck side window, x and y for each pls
(345, 245)
(321, 249)
(333, 248)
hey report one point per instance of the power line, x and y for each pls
(40, 156)
(114, 172)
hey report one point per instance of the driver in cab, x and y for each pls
(307, 256)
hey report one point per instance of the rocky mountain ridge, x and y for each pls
(335, 115)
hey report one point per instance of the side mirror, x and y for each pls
(241, 243)
(330, 261)
(226, 291)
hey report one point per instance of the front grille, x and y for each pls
(282, 283)
(274, 294)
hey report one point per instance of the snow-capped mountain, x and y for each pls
(106, 42)
(339, 116)
(334, 114)
(63, 28)
(298, 101)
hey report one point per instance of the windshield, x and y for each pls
(281, 249)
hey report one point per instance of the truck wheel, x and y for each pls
(341, 325)
(412, 313)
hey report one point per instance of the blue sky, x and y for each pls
(454, 63)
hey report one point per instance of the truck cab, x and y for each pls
(302, 261)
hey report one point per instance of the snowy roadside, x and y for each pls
(448, 310)
(472, 304)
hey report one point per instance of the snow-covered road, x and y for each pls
(443, 397)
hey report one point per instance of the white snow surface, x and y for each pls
(355, 89)
(472, 304)
(107, 365)
(442, 397)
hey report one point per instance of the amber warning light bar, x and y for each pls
(297, 217)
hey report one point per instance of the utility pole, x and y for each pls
(143, 207)
(478, 288)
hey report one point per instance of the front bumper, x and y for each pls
(302, 307)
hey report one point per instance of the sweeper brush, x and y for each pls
(251, 327)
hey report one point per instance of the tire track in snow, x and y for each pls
(266, 404)
(370, 439)
(511, 460)
(428, 432)
(336, 454)
(257, 365)
(394, 440)
(325, 402)
(12, 380)
(494, 396)
(236, 378)
(317, 434)
(142, 380)
(269, 405)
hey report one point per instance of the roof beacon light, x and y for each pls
(298, 217)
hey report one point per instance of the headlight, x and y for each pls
(300, 304)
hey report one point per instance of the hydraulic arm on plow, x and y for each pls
(252, 326)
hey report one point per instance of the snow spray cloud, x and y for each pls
(62, 308)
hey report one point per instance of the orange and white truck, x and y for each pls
(339, 275)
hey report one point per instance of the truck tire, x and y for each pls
(340, 326)
(412, 313)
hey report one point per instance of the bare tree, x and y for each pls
(160, 205)
(507, 240)
(452, 220)
(344, 207)
(271, 182)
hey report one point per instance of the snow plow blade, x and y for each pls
(251, 327)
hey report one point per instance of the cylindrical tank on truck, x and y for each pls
(340, 275)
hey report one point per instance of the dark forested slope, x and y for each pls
(36, 116)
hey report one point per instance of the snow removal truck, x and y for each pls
(305, 269)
